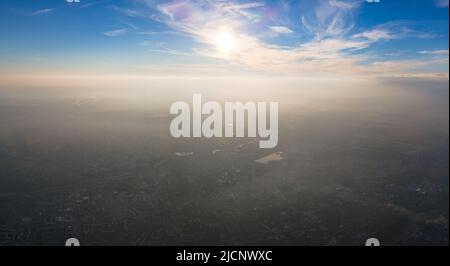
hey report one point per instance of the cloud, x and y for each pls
(43, 11)
(375, 35)
(329, 51)
(393, 54)
(434, 52)
(202, 14)
(168, 32)
(281, 29)
(441, 3)
(331, 18)
(317, 55)
(115, 33)
(395, 30)
(242, 9)
(171, 52)
(128, 12)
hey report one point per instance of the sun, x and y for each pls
(225, 41)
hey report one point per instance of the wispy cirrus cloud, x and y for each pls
(128, 12)
(434, 52)
(331, 48)
(331, 18)
(281, 29)
(115, 33)
(43, 11)
(375, 35)
(156, 32)
(317, 55)
(393, 30)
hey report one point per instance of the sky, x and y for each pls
(304, 38)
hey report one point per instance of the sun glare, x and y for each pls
(225, 41)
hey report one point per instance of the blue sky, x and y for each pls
(295, 38)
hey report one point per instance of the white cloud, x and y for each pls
(331, 18)
(115, 33)
(393, 54)
(43, 11)
(375, 35)
(434, 52)
(242, 9)
(281, 29)
(128, 12)
(156, 32)
(328, 52)
(393, 30)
